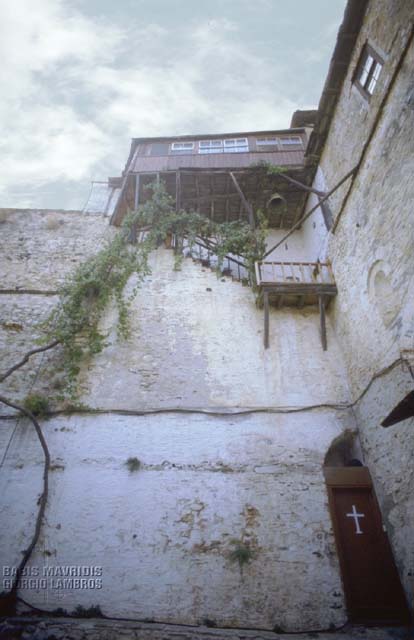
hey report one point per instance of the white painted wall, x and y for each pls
(196, 344)
(163, 535)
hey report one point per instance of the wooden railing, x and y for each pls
(271, 273)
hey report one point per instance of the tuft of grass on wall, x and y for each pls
(242, 553)
(133, 464)
(37, 404)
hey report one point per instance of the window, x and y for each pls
(288, 141)
(231, 145)
(182, 147)
(368, 71)
(266, 141)
(236, 145)
(210, 146)
(159, 149)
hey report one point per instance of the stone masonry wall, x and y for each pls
(372, 256)
(231, 441)
(39, 248)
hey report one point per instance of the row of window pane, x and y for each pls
(232, 145)
(285, 141)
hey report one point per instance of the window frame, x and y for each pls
(206, 147)
(372, 73)
(294, 141)
(216, 145)
(267, 141)
(185, 148)
(237, 148)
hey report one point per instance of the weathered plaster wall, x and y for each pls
(163, 535)
(294, 248)
(39, 249)
(196, 342)
(314, 230)
(101, 629)
(386, 28)
(372, 257)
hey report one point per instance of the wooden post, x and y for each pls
(212, 200)
(323, 322)
(177, 190)
(136, 201)
(246, 205)
(266, 319)
(197, 186)
(132, 238)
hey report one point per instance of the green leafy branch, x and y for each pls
(74, 324)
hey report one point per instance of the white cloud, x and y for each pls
(75, 90)
(211, 83)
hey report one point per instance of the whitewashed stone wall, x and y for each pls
(197, 341)
(38, 248)
(372, 257)
(233, 451)
(163, 535)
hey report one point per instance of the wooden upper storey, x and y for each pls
(200, 173)
(281, 147)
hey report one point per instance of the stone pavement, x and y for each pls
(24, 628)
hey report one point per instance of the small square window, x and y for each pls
(368, 71)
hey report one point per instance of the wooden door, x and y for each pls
(373, 590)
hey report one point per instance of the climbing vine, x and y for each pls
(74, 324)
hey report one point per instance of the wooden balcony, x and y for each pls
(295, 284)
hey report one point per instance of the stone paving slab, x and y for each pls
(24, 628)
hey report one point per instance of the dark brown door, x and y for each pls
(373, 590)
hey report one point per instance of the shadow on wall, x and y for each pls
(345, 451)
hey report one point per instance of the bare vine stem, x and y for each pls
(42, 499)
(26, 357)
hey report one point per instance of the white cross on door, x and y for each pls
(355, 515)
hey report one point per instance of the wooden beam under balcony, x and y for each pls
(295, 284)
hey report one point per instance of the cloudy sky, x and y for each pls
(80, 78)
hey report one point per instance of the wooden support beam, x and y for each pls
(280, 301)
(301, 186)
(132, 238)
(211, 184)
(323, 322)
(177, 191)
(266, 319)
(246, 204)
(301, 301)
(307, 215)
(197, 186)
(227, 203)
(119, 209)
(136, 201)
(327, 214)
(220, 196)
